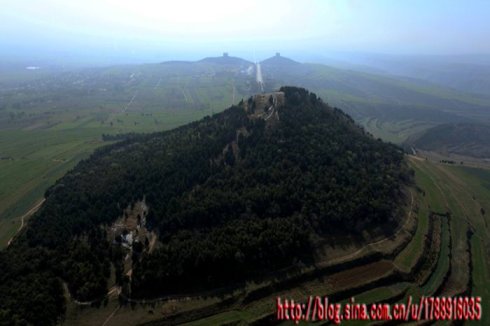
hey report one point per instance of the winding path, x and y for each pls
(29, 213)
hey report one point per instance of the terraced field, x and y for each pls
(440, 250)
(463, 192)
(394, 131)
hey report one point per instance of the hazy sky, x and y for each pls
(153, 29)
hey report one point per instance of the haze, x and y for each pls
(150, 30)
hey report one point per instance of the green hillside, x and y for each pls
(468, 139)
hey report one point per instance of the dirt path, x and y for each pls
(157, 84)
(372, 244)
(186, 98)
(152, 242)
(129, 103)
(111, 315)
(29, 213)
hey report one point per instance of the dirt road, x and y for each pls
(23, 217)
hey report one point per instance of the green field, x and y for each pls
(36, 158)
(50, 120)
(442, 263)
(463, 192)
(406, 258)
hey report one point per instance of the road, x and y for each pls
(129, 103)
(111, 315)
(258, 77)
(29, 213)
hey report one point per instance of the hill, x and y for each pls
(469, 139)
(226, 60)
(230, 197)
(279, 61)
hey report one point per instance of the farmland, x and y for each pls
(51, 121)
(34, 159)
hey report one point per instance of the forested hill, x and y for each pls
(231, 196)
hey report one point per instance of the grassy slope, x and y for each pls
(442, 264)
(477, 185)
(462, 138)
(405, 259)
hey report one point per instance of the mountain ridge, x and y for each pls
(279, 60)
(226, 59)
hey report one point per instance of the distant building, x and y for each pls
(225, 54)
(278, 54)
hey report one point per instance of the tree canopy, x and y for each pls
(231, 196)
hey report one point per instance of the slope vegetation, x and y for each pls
(231, 197)
(468, 139)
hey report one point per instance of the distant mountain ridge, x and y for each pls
(391, 107)
(468, 73)
(279, 60)
(226, 59)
